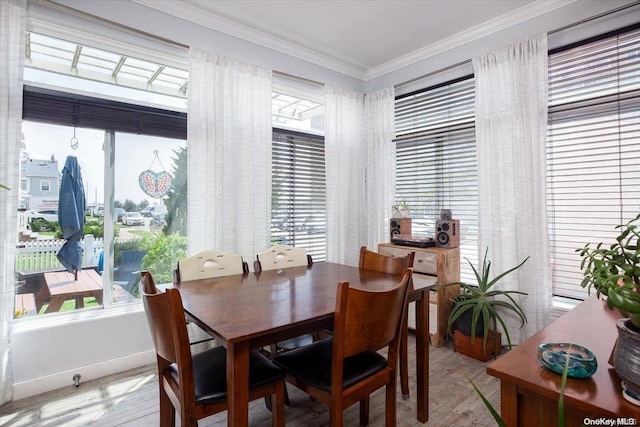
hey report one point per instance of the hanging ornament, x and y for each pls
(155, 184)
(74, 140)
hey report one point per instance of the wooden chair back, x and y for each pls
(369, 320)
(165, 316)
(207, 264)
(147, 283)
(364, 322)
(281, 256)
(370, 260)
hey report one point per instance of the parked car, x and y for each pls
(133, 218)
(50, 215)
(119, 213)
(151, 211)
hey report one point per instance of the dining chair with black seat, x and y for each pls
(196, 385)
(281, 257)
(347, 367)
(370, 260)
(204, 265)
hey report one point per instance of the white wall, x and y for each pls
(49, 350)
(549, 22)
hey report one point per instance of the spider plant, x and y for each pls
(480, 301)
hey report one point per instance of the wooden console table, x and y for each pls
(529, 392)
(431, 267)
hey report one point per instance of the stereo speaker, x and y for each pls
(400, 226)
(448, 233)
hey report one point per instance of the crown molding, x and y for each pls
(495, 25)
(191, 13)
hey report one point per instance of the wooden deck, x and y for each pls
(130, 399)
(25, 304)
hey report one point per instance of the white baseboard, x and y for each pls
(90, 372)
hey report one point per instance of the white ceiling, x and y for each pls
(362, 38)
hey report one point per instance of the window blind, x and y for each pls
(436, 165)
(593, 154)
(68, 109)
(298, 205)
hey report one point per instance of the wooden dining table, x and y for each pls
(253, 310)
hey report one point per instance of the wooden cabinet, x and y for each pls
(432, 267)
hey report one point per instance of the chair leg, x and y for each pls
(364, 412)
(277, 413)
(337, 415)
(390, 404)
(404, 362)
(268, 401)
(167, 411)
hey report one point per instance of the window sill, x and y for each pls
(53, 320)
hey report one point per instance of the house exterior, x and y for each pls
(40, 183)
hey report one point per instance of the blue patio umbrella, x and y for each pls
(71, 207)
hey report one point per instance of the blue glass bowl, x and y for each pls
(582, 361)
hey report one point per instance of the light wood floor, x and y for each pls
(131, 399)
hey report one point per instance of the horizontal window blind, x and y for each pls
(593, 149)
(436, 165)
(67, 109)
(298, 205)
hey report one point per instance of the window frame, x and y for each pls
(433, 127)
(45, 183)
(293, 228)
(578, 124)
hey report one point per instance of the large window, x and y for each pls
(593, 150)
(298, 197)
(436, 160)
(124, 120)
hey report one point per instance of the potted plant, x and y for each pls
(614, 272)
(401, 209)
(480, 304)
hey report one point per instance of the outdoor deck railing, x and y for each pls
(42, 254)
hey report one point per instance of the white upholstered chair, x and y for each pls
(281, 256)
(207, 264)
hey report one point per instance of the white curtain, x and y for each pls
(344, 156)
(12, 39)
(379, 120)
(229, 155)
(511, 124)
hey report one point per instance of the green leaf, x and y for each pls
(488, 404)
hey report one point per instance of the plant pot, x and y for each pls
(626, 356)
(463, 324)
(462, 344)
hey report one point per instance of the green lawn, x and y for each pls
(71, 305)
